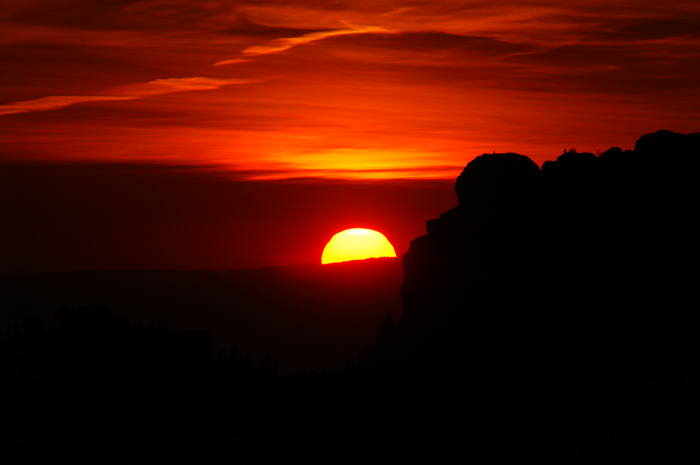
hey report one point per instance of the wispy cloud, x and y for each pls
(55, 102)
(126, 92)
(432, 83)
(285, 43)
(398, 11)
(232, 61)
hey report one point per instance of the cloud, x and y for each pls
(398, 11)
(232, 61)
(127, 92)
(279, 45)
(55, 102)
(406, 173)
(285, 43)
(166, 86)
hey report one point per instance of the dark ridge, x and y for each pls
(565, 300)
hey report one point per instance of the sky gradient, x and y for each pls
(300, 104)
(281, 89)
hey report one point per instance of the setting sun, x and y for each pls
(356, 244)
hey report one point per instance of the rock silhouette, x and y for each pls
(566, 297)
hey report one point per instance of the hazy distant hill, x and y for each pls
(306, 315)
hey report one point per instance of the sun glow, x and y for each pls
(357, 244)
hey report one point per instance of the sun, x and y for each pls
(357, 244)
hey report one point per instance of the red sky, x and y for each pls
(336, 90)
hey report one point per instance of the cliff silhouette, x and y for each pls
(564, 299)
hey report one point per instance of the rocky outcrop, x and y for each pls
(576, 281)
(521, 236)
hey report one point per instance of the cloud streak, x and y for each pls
(285, 43)
(127, 92)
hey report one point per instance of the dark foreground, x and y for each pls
(309, 316)
(552, 315)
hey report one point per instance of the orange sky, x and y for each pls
(240, 134)
(342, 89)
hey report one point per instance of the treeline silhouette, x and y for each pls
(553, 314)
(307, 315)
(92, 386)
